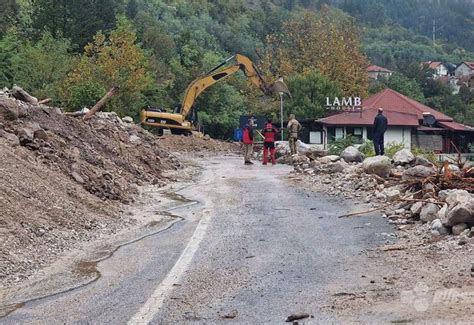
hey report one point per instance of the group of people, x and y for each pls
(269, 136)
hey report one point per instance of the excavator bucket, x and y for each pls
(279, 87)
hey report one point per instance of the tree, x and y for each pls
(111, 61)
(406, 86)
(8, 14)
(77, 20)
(327, 42)
(41, 67)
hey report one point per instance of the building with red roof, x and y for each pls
(409, 123)
(376, 72)
(440, 69)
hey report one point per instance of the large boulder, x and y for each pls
(454, 196)
(403, 157)
(336, 167)
(462, 212)
(379, 165)
(304, 148)
(9, 108)
(352, 154)
(418, 172)
(429, 212)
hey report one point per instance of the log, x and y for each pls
(20, 94)
(44, 101)
(111, 93)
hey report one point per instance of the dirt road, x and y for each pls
(252, 249)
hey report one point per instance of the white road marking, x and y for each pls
(155, 302)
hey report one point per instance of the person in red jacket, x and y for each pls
(269, 134)
(247, 139)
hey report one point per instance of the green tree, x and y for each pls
(112, 61)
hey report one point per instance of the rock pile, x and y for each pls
(410, 189)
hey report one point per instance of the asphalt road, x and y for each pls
(255, 249)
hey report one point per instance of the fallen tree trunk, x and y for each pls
(111, 93)
(20, 94)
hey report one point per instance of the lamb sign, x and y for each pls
(344, 103)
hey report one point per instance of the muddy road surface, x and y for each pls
(252, 249)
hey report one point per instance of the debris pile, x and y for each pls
(64, 180)
(409, 189)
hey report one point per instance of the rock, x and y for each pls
(459, 229)
(442, 212)
(304, 148)
(416, 208)
(453, 196)
(452, 168)
(403, 157)
(40, 134)
(328, 159)
(299, 159)
(437, 225)
(336, 167)
(462, 212)
(422, 161)
(207, 137)
(26, 135)
(9, 108)
(429, 212)
(77, 177)
(231, 315)
(379, 165)
(22, 95)
(127, 119)
(12, 139)
(135, 139)
(418, 172)
(352, 154)
(391, 193)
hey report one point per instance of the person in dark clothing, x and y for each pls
(380, 126)
(269, 134)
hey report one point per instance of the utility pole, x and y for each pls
(434, 32)
(281, 114)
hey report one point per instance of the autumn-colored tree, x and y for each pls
(110, 61)
(327, 41)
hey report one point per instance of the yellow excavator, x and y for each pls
(183, 120)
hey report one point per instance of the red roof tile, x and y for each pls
(376, 68)
(455, 126)
(431, 64)
(470, 64)
(391, 100)
(366, 117)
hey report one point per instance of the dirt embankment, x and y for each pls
(63, 181)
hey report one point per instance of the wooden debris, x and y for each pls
(111, 93)
(20, 94)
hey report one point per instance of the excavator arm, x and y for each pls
(180, 121)
(243, 63)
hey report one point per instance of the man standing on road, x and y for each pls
(380, 126)
(269, 134)
(247, 139)
(293, 128)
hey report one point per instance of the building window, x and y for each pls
(356, 133)
(339, 133)
(315, 137)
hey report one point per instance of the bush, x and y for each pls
(337, 146)
(367, 148)
(392, 148)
